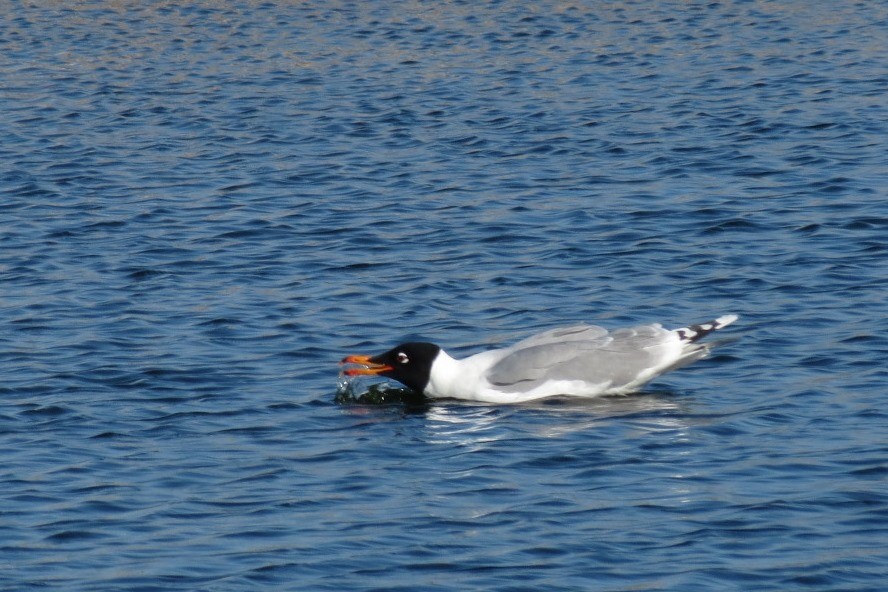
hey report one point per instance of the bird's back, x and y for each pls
(583, 353)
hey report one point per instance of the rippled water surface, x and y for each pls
(204, 206)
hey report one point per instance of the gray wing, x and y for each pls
(581, 332)
(585, 352)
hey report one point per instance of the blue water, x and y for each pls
(205, 205)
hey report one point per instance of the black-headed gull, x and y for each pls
(578, 361)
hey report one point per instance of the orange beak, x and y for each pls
(367, 367)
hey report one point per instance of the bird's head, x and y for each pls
(409, 363)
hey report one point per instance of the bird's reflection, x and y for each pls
(555, 417)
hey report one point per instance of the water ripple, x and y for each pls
(204, 206)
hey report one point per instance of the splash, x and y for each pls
(351, 391)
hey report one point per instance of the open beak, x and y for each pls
(366, 367)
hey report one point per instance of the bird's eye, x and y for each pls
(402, 358)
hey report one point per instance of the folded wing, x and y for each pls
(584, 353)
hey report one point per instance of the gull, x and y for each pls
(577, 361)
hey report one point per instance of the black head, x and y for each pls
(409, 363)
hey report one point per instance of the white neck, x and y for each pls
(458, 379)
(443, 376)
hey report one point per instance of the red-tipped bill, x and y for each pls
(366, 367)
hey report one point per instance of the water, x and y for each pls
(204, 206)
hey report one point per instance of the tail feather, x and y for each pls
(693, 333)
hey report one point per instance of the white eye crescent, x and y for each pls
(402, 358)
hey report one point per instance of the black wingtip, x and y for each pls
(694, 333)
